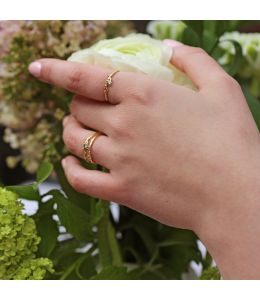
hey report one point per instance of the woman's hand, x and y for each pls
(189, 159)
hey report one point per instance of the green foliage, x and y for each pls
(30, 192)
(211, 273)
(47, 228)
(27, 192)
(112, 273)
(166, 29)
(32, 269)
(76, 221)
(19, 242)
(44, 171)
(234, 66)
(77, 232)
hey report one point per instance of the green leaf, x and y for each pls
(112, 273)
(81, 200)
(47, 228)
(27, 192)
(253, 104)
(113, 243)
(44, 171)
(76, 221)
(234, 67)
(143, 273)
(106, 239)
(174, 242)
(190, 37)
(216, 27)
(64, 250)
(207, 261)
(48, 231)
(85, 268)
(145, 227)
(97, 211)
(210, 41)
(196, 25)
(82, 266)
(178, 248)
(146, 237)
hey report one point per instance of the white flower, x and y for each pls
(166, 29)
(250, 44)
(134, 53)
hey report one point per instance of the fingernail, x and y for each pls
(173, 43)
(63, 162)
(65, 120)
(35, 68)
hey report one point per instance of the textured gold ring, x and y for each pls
(108, 84)
(87, 146)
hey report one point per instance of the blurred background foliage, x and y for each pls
(80, 234)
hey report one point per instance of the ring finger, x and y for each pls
(74, 136)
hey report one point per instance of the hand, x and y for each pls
(188, 159)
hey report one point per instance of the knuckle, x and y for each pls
(233, 83)
(76, 182)
(124, 190)
(115, 191)
(46, 72)
(139, 95)
(119, 126)
(120, 157)
(120, 189)
(228, 82)
(75, 80)
(69, 139)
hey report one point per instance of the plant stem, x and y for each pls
(73, 266)
(255, 87)
(109, 251)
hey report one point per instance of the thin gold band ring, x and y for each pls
(108, 84)
(87, 146)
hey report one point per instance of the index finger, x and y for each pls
(82, 79)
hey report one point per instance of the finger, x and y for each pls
(74, 136)
(92, 114)
(82, 79)
(91, 182)
(196, 63)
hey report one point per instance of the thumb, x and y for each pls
(196, 63)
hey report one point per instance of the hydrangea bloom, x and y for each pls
(42, 137)
(19, 242)
(32, 111)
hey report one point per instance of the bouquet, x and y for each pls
(75, 236)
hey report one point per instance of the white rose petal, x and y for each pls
(135, 53)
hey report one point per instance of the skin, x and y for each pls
(189, 159)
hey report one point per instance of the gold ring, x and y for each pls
(108, 84)
(88, 145)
